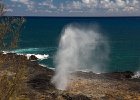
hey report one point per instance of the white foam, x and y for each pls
(136, 75)
(47, 66)
(5, 52)
(43, 65)
(39, 56)
(27, 54)
(26, 50)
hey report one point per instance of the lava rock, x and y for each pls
(128, 74)
(41, 82)
(75, 97)
(32, 57)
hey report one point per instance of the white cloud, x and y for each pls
(35, 6)
(113, 6)
(8, 10)
(21, 1)
(48, 4)
(86, 6)
(28, 3)
(89, 1)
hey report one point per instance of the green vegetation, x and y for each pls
(11, 78)
(12, 83)
(10, 28)
(1, 8)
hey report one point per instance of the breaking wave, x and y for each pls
(39, 56)
(38, 52)
(136, 75)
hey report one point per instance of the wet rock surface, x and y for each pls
(33, 57)
(83, 85)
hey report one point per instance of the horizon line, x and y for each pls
(67, 16)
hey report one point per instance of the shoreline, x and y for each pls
(37, 82)
(36, 57)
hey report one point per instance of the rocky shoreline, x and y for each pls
(35, 82)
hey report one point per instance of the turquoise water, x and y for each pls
(41, 35)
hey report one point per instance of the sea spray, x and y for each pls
(80, 48)
(136, 74)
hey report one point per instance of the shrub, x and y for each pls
(11, 82)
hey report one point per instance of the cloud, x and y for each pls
(28, 3)
(105, 5)
(48, 4)
(21, 1)
(89, 7)
(8, 10)
(36, 6)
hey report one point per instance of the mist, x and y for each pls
(81, 47)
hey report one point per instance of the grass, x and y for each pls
(12, 82)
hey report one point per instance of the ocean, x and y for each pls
(41, 35)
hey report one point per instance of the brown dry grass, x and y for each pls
(12, 83)
(10, 28)
(102, 88)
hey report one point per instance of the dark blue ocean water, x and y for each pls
(41, 35)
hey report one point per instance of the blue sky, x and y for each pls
(72, 7)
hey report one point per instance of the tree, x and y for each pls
(1, 8)
(11, 78)
(10, 28)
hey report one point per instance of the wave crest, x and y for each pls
(39, 56)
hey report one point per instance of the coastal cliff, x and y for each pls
(23, 79)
